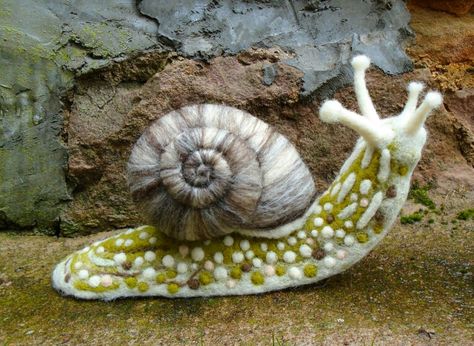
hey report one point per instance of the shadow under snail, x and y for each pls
(232, 208)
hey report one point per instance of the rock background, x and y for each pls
(44, 46)
(78, 84)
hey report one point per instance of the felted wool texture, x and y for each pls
(295, 271)
(337, 230)
(390, 208)
(207, 170)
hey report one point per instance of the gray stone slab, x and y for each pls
(323, 35)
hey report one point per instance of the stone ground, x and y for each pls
(416, 288)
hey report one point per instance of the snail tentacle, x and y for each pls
(360, 64)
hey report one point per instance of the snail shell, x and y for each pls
(207, 170)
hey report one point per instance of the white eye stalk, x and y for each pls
(414, 90)
(361, 63)
(416, 119)
(369, 125)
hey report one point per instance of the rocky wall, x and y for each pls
(111, 68)
(44, 46)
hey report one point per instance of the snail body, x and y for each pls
(244, 252)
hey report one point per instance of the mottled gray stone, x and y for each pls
(323, 35)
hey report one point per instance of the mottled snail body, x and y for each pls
(234, 205)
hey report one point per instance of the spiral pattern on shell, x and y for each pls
(207, 170)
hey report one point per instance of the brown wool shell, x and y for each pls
(207, 170)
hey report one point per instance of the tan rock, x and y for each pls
(461, 105)
(442, 38)
(458, 7)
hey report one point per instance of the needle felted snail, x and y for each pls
(232, 207)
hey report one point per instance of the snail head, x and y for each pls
(404, 133)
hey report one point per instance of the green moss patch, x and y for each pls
(420, 195)
(412, 218)
(465, 215)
